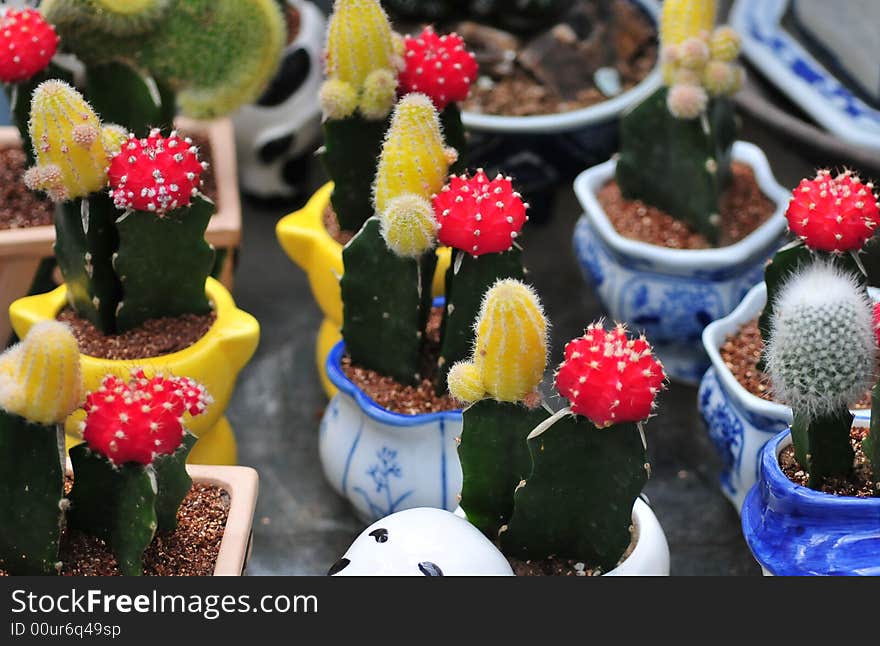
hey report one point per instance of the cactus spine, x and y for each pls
(40, 385)
(390, 263)
(357, 97)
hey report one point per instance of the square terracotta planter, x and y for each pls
(22, 250)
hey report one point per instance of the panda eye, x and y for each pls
(381, 535)
(337, 567)
(429, 569)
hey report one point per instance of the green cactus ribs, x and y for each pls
(454, 136)
(163, 263)
(124, 96)
(577, 502)
(31, 495)
(824, 443)
(467, 280)
(678, 165)
(494, 459)
(386, 303)
(85, 243)
(351, 148)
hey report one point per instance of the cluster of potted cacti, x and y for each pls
(129, 476)
(658, 243)
(558, 493)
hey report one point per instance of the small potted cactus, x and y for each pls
(113, 507)
(677, 228)
(816, 505)
(368, 67)
(557, 493)
(130, 243)
(833, 217)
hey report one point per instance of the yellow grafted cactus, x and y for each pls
(71, 146)
(510, 350)
(40, 377)
(683, 19)
(408, 226)
(360, 42)
(414, 159)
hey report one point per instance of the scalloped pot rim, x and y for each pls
(587, 186)
(716, 333)
(370, 407)
(575, 119)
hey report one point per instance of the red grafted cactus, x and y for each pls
(479, 216)
(156, 173)
(833, 213)
(27, 44)
(438, 66)
(137, 420)
(609, 377)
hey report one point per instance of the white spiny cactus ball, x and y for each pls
(822, 348)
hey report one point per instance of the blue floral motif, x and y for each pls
(382, 473)
(671, 310)
(588, 253)
(725, 429)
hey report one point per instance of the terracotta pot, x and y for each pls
(22, 250)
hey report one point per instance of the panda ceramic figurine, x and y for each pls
(422, 542)
(276, 136)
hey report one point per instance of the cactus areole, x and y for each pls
(27, 44)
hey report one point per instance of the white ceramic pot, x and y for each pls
(738, 422)
(672, 294)
(432, 542)
(384, 462)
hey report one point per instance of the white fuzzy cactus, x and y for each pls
(822, 349)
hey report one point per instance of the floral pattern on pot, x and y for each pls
(793, 530)
(672, 294)
(385, 462)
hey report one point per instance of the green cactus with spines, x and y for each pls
(216, 55)
(871, 445)
(40, 385)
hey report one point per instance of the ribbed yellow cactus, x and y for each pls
(412, 167)
(683, 19)
(40, 377)
(71, 146)
(510, 351)
(360, 42)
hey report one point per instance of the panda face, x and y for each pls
(421, 542)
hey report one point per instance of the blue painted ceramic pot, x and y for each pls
(384, 462)
(673, 294)
(793, 530)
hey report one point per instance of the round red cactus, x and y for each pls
(479, 216)
(27, 44)
(156, 174)
(608, 377)
(833, 213)
(138, 420)
(438, 66)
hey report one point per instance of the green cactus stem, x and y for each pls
(494, 459)
(163, 263)
(678, 165)
(828, 451)
(386, 301)
(351, 148)
(123, 95)
(126, 505)
(467, 280)
(454, 136)
(577, 501)
(31, 495)
(85, 243)
(871, 445)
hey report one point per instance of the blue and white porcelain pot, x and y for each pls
(793, 530)
(384, 462)
(672, 294)
(738, 422)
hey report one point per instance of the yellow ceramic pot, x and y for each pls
(305, 240)
(214, 360)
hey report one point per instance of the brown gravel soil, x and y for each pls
(554, 566)
(859, 484)
(403, 398)
(741, 353)
(743, 209)
(190, 550)
(331, 224)
(19, 207)
(154, 338)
